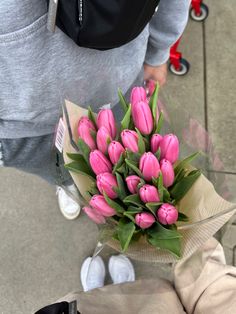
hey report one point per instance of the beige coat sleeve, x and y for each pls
(204, 283)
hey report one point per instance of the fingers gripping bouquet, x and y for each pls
(137, 178)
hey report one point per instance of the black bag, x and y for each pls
(58, 308)
(104, 24)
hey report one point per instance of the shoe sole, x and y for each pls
(70, 217)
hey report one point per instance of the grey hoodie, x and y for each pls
(38, 69)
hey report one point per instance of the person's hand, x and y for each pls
(156, 73)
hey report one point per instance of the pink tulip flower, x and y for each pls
(142, 117)
(144, 220)
(99, 203)
(94, 215)
(130, 140)
(106, 118)
(99, 162)
(103, 136)
(138, 94)
(155, 142)
(167, 172)
(85, 126)
(170, 148)
(115, 149)
(132, 183)
(106, 182)
(149, 166)
(149, 194)
(167, 214)
(151, 85)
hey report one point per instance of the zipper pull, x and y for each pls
(80, 8)
(52, 15)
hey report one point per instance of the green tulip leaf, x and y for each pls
(136, 236)
(123, 102)
(183, 163)
(183, 217)
(118, 164)
(135, 157)
(81, 167)
(159, 123)
(134, 210)
(85, 150)
(133, 199)
(155, 182)
(166, 239)
(181, 188)
(133, 167)
(121, 186)
(153, 102)
(125, 233)
(126, 120)
(93, 134)
(158, 154)
(92, 116)
(93, 189)
(166, 196)
(160, 187)
(75, 157)
(118, 208)
(180, 175)
(153, 207)
(141, 143)
(129, 215)
(123, 170)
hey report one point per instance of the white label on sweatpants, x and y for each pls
(60, 135)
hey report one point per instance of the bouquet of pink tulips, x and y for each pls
(138, 179)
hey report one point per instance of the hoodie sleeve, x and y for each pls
(166, 26)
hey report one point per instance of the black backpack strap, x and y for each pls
(57, 308)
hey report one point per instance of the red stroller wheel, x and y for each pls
(183, 68)
(199, 11)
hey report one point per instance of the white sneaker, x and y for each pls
(121, 269)
(92, 273)
(69, 208)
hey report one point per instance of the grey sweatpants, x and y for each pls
(33, 155)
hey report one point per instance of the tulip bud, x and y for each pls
(94, 215)
(132, 183)
(99, 162)
(149, 166)
(155, 142)
(106, 118)
(151, 85)
(99, 203)
(103, 136)
(85, 127)
(106, 182)
(138, 94)
(142, 117)
(167, 172)
(130, 140)
(144, 220)
(149, 194)
(170, 148)
(167, 214)
(115, 149)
